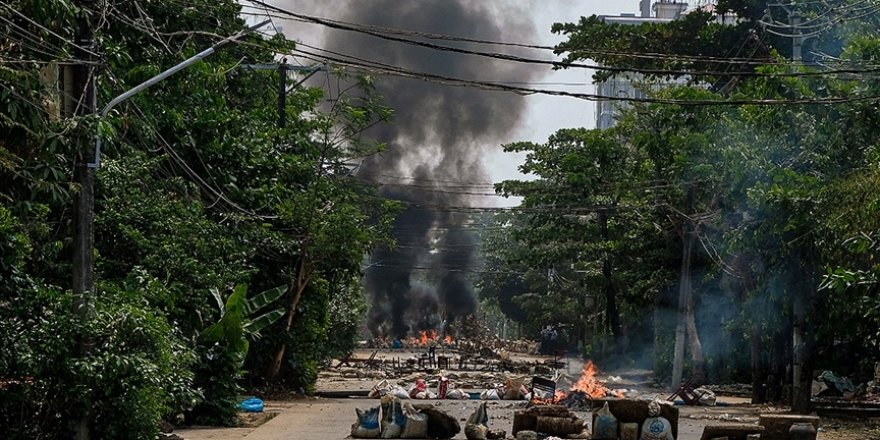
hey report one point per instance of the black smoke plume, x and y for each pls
(438, 139)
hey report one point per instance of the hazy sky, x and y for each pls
(544, 114)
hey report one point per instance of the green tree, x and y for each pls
(199, 189)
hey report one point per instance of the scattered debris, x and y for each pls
(830, 384)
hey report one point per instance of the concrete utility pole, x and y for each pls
(83, 94)
(87, 163)
(798, 307)
(684, 292)
(83, 102)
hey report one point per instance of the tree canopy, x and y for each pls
(199, 190)
(774, 201)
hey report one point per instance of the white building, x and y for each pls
(634, 85)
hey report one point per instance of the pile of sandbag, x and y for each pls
(396, 419)
(384, 388)
(549, 419)
(513, 388)
(419, 391)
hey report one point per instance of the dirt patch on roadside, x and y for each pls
(832, 429)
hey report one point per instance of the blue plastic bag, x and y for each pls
(252, 405)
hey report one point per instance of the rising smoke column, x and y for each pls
(439, 135)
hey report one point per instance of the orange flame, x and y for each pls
(449, 340)
(424, 339)
(588, 383)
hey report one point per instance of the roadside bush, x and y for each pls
(217, 374)
(136, 372)
(142, 372)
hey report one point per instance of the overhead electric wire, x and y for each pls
(32, 37)
(525, 192)
(528, 209)
(644, 71)
(508, 57)
(818, 29)
(486, 85)
(177, 159)
(49, 31)
(396, 31)
(558, 64)
(667, 56)
(40, 47)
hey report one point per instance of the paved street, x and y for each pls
(331, 419)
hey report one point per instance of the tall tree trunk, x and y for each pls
(297, 289)
(797, 343)
(777, 365)
(804, 330)
(745, 283)
(696, 347)
(684, 294)
(612, 314)
(759, 375)
(802, 345)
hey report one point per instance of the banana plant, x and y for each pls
(236, 326)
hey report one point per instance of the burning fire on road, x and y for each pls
(425, 338)
(588, 386)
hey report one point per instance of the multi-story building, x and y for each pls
(633, 85)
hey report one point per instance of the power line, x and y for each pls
(434, 36)
(176, 158)
(557, 64)
(485, 85)
(49, 31)
(380, 266)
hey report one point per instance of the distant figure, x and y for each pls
(545, 340)
(397, 343)
(432, 351)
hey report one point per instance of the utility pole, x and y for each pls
(84, 100)
(799, 401)
(87, 162)
(684, 292)
(283, 68)
(83, 95)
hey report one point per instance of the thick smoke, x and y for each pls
(438, 139)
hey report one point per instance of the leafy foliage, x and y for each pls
(780, 198)
(199, 191)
